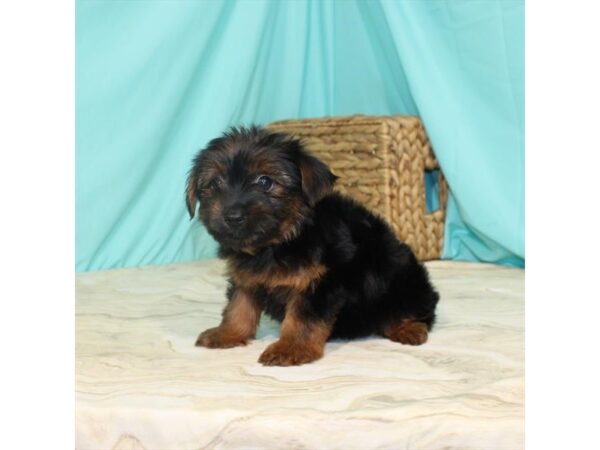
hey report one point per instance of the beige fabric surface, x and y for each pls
(141, 383)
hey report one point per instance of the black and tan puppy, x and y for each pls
(316, 261)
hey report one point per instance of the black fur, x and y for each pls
(371, 276)
(370, 280)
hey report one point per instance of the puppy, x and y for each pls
(318, 262)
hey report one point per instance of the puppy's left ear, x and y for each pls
(191, 194)
(317, 179)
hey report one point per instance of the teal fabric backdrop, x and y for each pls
(155, 80)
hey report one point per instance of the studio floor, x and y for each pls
(142, 384)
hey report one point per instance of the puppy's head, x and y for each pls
(255, 187)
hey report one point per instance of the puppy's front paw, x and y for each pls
(219, 338)
(288, 353)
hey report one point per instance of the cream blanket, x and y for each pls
(141, 383)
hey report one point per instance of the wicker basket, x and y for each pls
(381, 162)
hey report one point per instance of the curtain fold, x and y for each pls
(155, 80)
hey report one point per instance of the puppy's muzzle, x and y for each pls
(234, 216)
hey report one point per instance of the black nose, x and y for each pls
(234, 216)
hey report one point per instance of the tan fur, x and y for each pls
(310, 183)
(260, 166)
(407, 331)
(215, 209)
(191, 196)
(300, 341)
(212, 171)
(240, 320)
(288, 228)
(298, 280)
(192, 186)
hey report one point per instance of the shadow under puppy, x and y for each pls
(318, 262)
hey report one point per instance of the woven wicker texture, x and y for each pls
(381, 162)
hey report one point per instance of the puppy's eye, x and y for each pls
(215, 184)
(264, 182)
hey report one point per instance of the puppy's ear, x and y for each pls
(191, 197)
(317, 179)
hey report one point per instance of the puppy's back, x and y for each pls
(353, 234)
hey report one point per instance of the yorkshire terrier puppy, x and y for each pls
(318, 262)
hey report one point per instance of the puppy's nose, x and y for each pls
(234, 216)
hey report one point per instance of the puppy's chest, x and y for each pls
(299, 278)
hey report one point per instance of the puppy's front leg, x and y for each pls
(239, 323)
(302, 338)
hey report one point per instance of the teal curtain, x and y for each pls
(155, 80)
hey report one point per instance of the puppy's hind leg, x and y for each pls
(409, 322)
(412, 305)
(406, 331)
